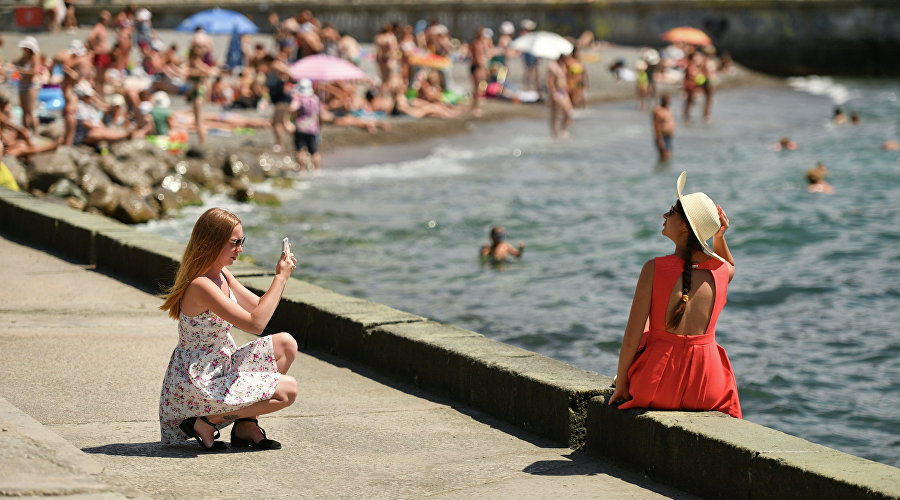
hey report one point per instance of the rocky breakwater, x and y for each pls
(135, 181)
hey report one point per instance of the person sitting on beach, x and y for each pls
(785, 144)
(17, 140)
(499, 249)
(210, 382)
(677, 364)
(89, 128)
(816, 177)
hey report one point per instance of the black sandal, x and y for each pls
(263, 444)
(187, 427)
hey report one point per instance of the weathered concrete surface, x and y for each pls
(715, 455)
(84, 354)
(704, 453)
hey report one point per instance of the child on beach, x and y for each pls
(677, 364)
(210, 382)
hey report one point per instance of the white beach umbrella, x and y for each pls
(544, 44)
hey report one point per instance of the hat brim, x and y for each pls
(706, 249)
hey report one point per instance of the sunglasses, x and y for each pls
(672, 211)
(239, 242)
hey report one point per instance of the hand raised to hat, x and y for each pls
(723, 220)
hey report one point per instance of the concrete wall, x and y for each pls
(785, 37)
(705, 453)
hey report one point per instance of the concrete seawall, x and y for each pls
(704, 453)
(785, 37)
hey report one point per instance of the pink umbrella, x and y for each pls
(323, 68)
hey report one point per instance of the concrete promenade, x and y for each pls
(83, 355)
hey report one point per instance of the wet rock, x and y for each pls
(64, 188)
(187, 192)
(49, 167)
(105, 198)
(248, 194)
(17, 170)
(92, 177)
(202, 172)
(166, 200)
(134, 209)
(126, 174)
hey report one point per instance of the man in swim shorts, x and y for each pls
(98, 43)
(663, 128)
(560, 103)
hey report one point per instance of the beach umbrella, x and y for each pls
(686, 34)
(544, 44)
(218, 22)
(324, 68)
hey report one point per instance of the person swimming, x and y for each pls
(499, 249)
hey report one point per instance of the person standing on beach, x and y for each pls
(30, 65)
(677, 364)
(478, 51)
(386, 49)
(306, 107)
(76, 65)
(663, 128)
(210, 382)
(98, 44)
(198, 72)
(560, 104)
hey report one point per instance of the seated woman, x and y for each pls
(89, 128)
(18, 140)
(677, 364)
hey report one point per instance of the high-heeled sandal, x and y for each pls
(263, 444)
(187, 427)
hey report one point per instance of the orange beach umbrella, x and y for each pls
(686, 34)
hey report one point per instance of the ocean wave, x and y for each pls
(822, 85)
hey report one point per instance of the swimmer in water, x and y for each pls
(816, 178)
(785, 144)
(499, 249)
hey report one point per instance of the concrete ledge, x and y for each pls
(714, 455)
(707, 453)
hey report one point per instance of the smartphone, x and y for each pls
(286, 246)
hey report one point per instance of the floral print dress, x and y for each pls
(209, 375)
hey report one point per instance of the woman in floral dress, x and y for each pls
(210, 382)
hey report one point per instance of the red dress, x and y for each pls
(682, 372)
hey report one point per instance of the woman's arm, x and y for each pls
(245, 298)
(204, 293)
(637, 321)
(719, 245)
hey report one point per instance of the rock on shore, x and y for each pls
(135, 181)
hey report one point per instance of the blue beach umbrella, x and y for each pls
(218, 22)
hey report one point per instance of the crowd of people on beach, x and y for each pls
(118, 83)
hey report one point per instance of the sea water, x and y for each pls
(813, 311)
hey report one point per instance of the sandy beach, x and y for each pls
(602, 87)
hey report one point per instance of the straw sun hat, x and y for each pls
(702, 215)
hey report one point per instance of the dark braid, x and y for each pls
(693, 244)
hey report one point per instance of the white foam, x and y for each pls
(822, 85)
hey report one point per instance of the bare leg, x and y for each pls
(284, 396)
(197, 106)
(707, 104)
